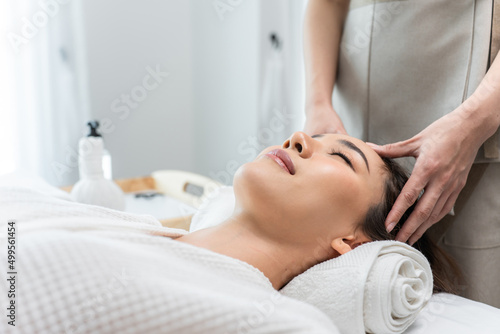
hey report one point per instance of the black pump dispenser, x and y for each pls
(93, 125)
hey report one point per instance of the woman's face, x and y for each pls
(311, 186)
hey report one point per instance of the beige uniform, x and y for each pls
(403, 65)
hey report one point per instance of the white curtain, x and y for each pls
(281, 110)
(44, 113)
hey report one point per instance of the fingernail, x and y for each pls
(371, 144)
(390, 227)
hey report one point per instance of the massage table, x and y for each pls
(444, 313)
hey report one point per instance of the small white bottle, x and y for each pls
(106, 164)
(93, 187)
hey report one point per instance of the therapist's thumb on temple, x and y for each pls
(394, 150)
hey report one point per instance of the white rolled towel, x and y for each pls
(379, 287)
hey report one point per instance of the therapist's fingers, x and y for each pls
(419, 216)
(421, 213)
(443, 206)
(419, 232)
(450, 203)
(396, 150)
(409, 194)
(437, 213)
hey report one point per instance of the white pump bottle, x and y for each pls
(93, 187)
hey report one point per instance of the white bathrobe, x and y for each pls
(86, 269)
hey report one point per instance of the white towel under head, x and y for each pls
(378, 287)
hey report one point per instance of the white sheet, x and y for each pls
(448, 313)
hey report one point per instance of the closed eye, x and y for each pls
(343, 156)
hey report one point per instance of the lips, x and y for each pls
(283, 159)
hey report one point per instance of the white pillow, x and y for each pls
(218, 207)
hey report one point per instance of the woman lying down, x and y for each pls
(305, 217)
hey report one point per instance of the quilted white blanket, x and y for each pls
(86, 269)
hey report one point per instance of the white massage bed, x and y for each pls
(443, 314)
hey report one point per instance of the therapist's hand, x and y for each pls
(444, 153)
(322, 118)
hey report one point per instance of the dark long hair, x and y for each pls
(446, 273)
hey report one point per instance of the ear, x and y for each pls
(345, 244)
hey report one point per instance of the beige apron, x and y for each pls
(491, 146)
(403, 65)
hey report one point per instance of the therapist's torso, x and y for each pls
(404, 64)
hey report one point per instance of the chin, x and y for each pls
(257, 189)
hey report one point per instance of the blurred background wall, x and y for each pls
(124, 42)
(194, 85)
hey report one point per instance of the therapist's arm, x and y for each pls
(444, 153)
(323, 24)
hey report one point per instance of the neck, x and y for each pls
(240, 239)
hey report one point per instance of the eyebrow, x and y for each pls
(353, 147)
(350, 145)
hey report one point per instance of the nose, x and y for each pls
(300, 142)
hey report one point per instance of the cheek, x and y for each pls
(332, 193)
(338, 182)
